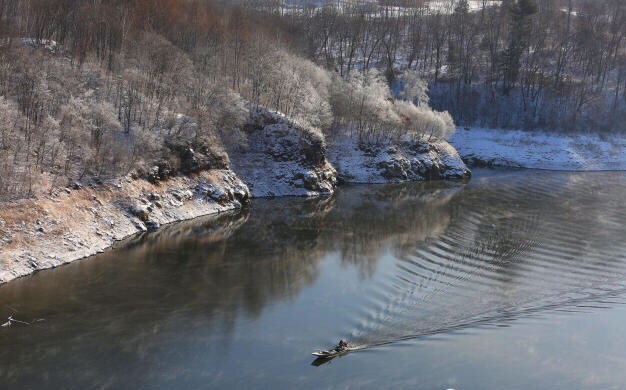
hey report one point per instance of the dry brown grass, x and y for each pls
(55, 215)
(23, 212)
(18, 217)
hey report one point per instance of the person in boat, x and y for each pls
(342, 346)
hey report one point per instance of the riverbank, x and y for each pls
(281, 158)
(74, 223)
(540, 150)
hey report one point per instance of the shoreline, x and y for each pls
(74, 224)
(541, 150)
(37, 246)
(77, 223)
(37, 250)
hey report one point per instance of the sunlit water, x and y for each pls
(516, 279)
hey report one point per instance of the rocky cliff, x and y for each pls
(282, 158)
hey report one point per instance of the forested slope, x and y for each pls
(94, 90)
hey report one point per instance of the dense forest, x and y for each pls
(96, 89)
(551, 64)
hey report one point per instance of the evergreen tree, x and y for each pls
(521, 13)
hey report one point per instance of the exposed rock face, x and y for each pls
(158, 172)
(222, 187)
(283, 158)
(395, 161)
(196, 160)
(190, 160)
(183, 152)
(141, 211)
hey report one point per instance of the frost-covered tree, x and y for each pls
(414, 88)
(363, 106)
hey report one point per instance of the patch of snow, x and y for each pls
(48, 44)
(573, 13)
(373, 8)
(447, 7)
(541, 150)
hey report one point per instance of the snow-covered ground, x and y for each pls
(374, 8)
(395, 161)
(541, 150)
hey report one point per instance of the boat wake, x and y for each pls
(539, 245)
(599, 298)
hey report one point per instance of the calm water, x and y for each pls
(514, 280)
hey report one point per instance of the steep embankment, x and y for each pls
(75, 223)
(282, 158)
(395, 161)
(541, 150)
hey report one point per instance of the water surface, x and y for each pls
(516, 279)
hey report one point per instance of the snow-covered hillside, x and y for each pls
(541, 150)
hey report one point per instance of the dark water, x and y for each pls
(515, 280)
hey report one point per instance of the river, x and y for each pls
(515, 279)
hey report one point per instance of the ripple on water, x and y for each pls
(513, 248)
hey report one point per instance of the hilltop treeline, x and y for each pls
(551, 64)
(90, 90)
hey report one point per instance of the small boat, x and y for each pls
(323, 356)
(330, 352)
